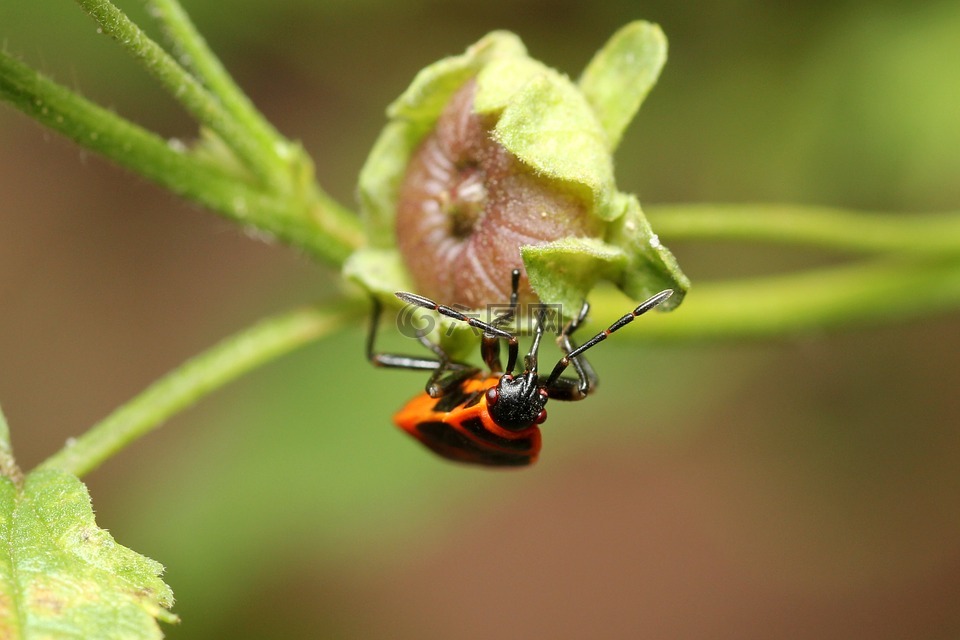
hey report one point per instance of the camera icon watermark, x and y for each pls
(415, 322)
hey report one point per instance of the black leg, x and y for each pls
(392, 360)
(490, 344)
(554, 381)
(488, 329)
(585, 373)
(586, 382)
(445, 378)
(514, 299)
(449, 374)
(490, 350)
(530, 360)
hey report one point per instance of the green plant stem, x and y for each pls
(194, 379)
(318, 225)
(8, 465)
(747, 309)
(5, 447)
(193, 51)
(920, 234)
(778, 306)
(261, 159)
(283, 201)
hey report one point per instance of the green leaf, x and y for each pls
(652, 268)
(564, 272)
(550, 127)
(621, 75)
(63, 577)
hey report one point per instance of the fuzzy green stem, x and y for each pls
(8, 465)
(122, 141)
(779, 306)
(5, 447)
(193, 51)
(261, 159)
(318, 224)
(921, 234)
(194, 379)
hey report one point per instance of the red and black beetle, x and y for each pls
(492, 418)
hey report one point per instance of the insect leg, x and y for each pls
(586, 382)
(450, 312)
(393, 360)
(571, 356)
(489, 344)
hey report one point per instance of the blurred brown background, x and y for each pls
(803, 488)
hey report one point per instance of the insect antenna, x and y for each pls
(642, 308)
(450, 312)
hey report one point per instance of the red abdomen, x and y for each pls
(459, 428)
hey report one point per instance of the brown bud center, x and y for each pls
(465, 200)
(467, 205)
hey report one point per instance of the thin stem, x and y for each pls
(922, 234)
(778, 306)
(187, 90)
(5, 447)
(318, 225)
(194, 379)
(193, 51)
(120, 140)
(8, 465)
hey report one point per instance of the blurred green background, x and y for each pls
(803, 488)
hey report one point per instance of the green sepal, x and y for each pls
(544, 120)
(380, 271)
(412, 116)
(550, 126)
(500, 79)
(651, 267)
(428, 94)
(563, 272)
(621, 74)
(457, 339)
(62, 576)
(379, 182)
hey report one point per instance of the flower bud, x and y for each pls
(492, 161)
(466, 205)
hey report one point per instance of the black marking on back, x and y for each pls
(475, 426)
(453, 399)
(474, 399)
(446, 441)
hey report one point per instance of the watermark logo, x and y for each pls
(414, 321)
